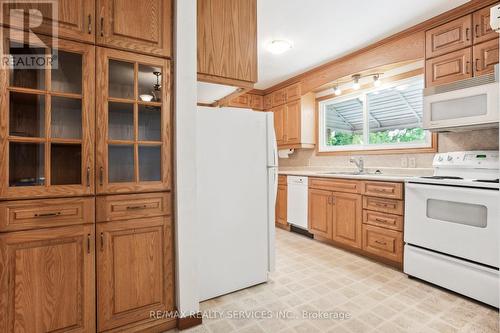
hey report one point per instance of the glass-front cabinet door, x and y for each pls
(133, 122)
(46, 119)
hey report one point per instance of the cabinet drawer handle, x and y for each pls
(137, 207)
(101, 176)
(477, 64)
(90, 24)
(383, 190)
(102, 241)
(102, 26)
(88, 177)
(88, 243)
(380, 242)
(467, 63)
(381, 220)
(477, 30)
(48, 214)
(467, 32)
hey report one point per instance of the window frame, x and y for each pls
(430, 144)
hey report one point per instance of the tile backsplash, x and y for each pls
(470, 140)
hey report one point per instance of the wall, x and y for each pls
(471, 140)
(187, 299)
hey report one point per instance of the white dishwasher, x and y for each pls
(297, 201)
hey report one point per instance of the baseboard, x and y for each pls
(190, 321)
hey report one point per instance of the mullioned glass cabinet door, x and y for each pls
(133, 122)
(46, 120)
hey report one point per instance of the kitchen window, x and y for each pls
(389, 117)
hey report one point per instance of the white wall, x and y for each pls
(185, 157)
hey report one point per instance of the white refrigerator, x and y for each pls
(237, 181)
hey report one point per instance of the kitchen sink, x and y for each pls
(353, 173)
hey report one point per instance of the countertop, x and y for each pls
(392, 175)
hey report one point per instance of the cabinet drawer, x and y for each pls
(336, 185)
(383, 189)
(282, 180)
(383, 205)
(384, 220)
(383, 243)
(43, 213)
(132, 206)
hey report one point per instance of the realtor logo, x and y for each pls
(30, 37)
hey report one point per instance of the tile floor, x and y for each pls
(311, 276)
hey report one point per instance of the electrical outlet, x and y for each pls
(404, 162)
(412, 162)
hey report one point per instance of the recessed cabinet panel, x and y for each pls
(27, 115)
(485, 57)
(66, 118)
(121, 163)
(26, 164)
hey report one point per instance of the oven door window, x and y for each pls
(457, 212)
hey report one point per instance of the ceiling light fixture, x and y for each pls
(377, 82)
(356, 85)
(279, 46)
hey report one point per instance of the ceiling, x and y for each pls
(323, 30)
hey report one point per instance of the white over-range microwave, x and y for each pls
(463, 105)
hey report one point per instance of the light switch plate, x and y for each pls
(412, 162)
(404, 162)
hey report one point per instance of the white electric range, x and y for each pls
(452, 222)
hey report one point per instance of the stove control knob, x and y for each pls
(440, 159)
(450, 158)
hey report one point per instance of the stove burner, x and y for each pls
(487, 181)
(442, 177)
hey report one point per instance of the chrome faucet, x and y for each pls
(360, 164)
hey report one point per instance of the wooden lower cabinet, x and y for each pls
(320, 213)
(383, 243)
(47, 280)
(134, 272)
(347, 219)
(281, 206)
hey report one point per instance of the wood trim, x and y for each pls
(284, 227)
(414, 35)
(225, 101)
(225, 81)
(183, 323)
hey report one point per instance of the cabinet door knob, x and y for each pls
(476, 28)
(102, 26)
(88, 243)
(102, 241)
(467, 33)
(90, 24)
(477, 65)
(88, 177)
(101, 176)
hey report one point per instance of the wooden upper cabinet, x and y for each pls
(257, 102)
(279, 97)
(279, 123)
(292, 125)
(482, 27)
(320, 213)
(133, 123)
(227, 41)
(47, 123)
(268, 102)
(485, 57)
(449, 68)
(347, 219)
(47, 280)
(135, 271)
(140, 26)
(281, 205)
(449, 37)
(293, 92)
(75, 19)
(242, 101)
